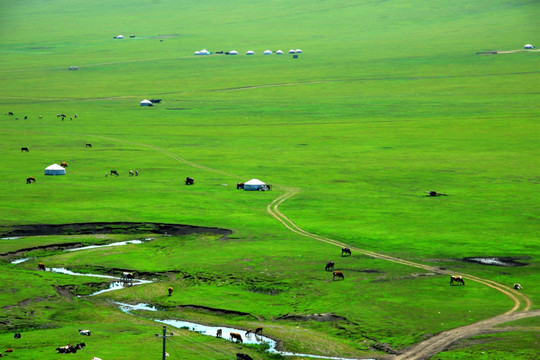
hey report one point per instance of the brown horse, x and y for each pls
(458, 279)
(259, 330)
(41, 266)
(248, 333)
(338, 274)
(30, 180)
(236, 337)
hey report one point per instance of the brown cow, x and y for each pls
(338, 274)
(458, 279)
(236, 337)
(63, 164)
(41, 266)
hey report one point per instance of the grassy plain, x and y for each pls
(388, 100)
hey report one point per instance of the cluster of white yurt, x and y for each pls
(55, 169)
(528, 46)
(202, 52)
(297, 51)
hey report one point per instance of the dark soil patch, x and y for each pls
(325, 317)
(214, 310)
(385, 348)
(110, 228)
(497, 261)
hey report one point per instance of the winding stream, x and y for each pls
(179, 324)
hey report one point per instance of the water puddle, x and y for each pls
(496, 261)
(18, 261)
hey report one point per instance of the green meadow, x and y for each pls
(388, 100)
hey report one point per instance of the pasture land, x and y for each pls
(388, 100)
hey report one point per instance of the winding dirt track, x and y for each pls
(429, 347)
(442, 341)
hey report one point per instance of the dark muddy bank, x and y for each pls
(110, 228)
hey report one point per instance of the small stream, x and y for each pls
(179, 324)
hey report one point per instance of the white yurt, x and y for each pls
(254, 185)
(267, 52)
(292, 51)
(528, 46)
(250, 52)
(298, 51)
(146, 103)
(279, 52)
(120, 37)
(233, 52)
(197, 53)
(204, 52)
(55, 169)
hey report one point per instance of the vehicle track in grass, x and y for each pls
(428, 347)
(441, 341)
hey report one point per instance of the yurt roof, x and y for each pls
(146, 101)
(254, 182)
(54, 167)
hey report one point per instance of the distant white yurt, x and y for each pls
(298, 51)
(120, 37)
(254, 184)
(197, 53)
(292, 51)
(55, 169)
(204, 52)
(279, 52)
(528, 46)
(233, 52)
(250, 52)
(146, 103)
(267, 52)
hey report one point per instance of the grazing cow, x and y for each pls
(248, 333)
(240, 356)
(189, 181)
(84, 332)
(17, 336)
(219, 333)
(10, 113)
(240, 186)
(66, 349)
(30, 180)
(41, 266)
(25, 149)
(170, 290)
(236, 337)
(127, 277)
(155, 101)
(114, 172)
(64, 164)
(434, 193)
(259, 330)
(88, 145)
(26, 118)
(329, 266)
(337, 274)
(219, 52)
(345, 252)
(457, 279)
(136, 172)
(517, 286)
(40, 116)
(75, 116)
(131, 173)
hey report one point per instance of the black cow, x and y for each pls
(329, 266)
(10, 113)
(189, 181)
(155, 101)
(345, 252)
(25, 149)
(240, 356)
(17, 336)
(239, 185)
(114, 172)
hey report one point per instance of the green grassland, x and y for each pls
(387, 100)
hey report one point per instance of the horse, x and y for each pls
(170, 290)
(329, 266)
(25, 149)
(41, 266)
(88, 145)
(114, 172)
(30, 180)
(64, 164)
(456, 278)
(189, 181)
(236, 337)
(337, 274)
(248, 333)
(219, 333)
(259, 330)
(517, 286)
(345, 252)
